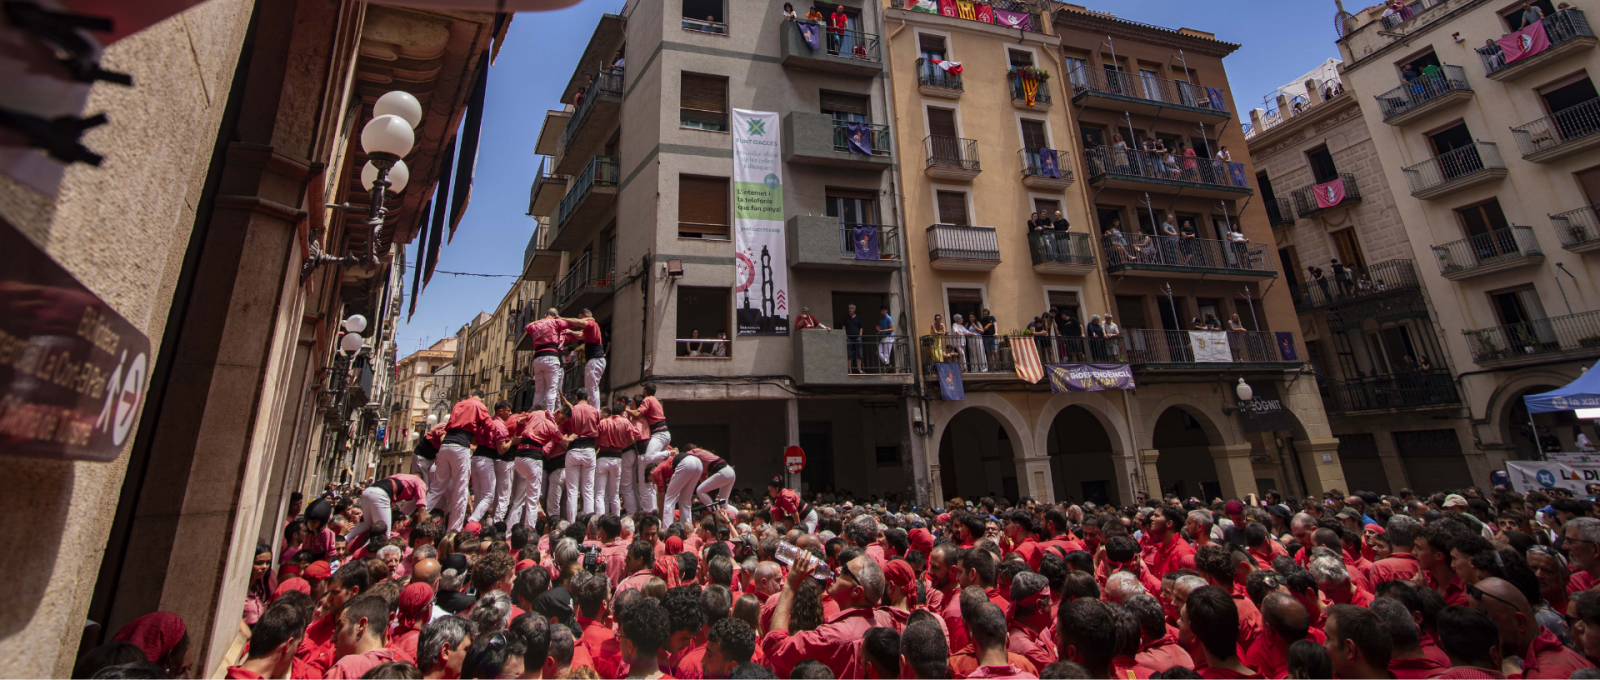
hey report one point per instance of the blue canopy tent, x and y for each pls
(1581, 393)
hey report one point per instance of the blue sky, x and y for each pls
(1280, 41)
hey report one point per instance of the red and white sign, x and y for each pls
(1329, 194)
(1527, 42)
(794, 459)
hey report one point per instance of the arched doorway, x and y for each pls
(1515, 433)
(1184, 464)
(1081, 458)
(975, 457)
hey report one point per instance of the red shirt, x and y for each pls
(237, 673)
(693, 663)
(1270, 653)
(1453, 593)
(1249, 617)
(408, 488)
(1163, 654)
(595, 634)
(584, 421)
(1209, 672)
(1006, 671)
(470, 415)
(591, 335)
(492, 433)
(435, 434)
(1417, 669)
(1035, 646)
(614, 432)
(650, 408)
(1548, 658)
(964, 662)
(547, 331)
(828, 643)
(1472, 673)
(787, 504)
(1129, 669)
(805, 321)
(357, 665)
(1396, 567)
(405, 645)
(1169, 557)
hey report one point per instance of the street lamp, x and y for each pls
(1243, 392)
(386, 138)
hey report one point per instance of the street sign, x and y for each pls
(794, 458)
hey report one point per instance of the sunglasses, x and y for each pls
(1478, 593)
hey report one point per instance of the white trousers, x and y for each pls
(483, 487)
(580, 482)
(628, 470)
(374, 504)
(424, 468)
(592, 370)
(886, 349)
(547, 381)
(655, 451)
(680, 490)
(502, 488)
(810, 521)
(452, 470)
(527, 489)
(607, 483)
(721, 480)
(555, 483)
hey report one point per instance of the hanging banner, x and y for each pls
(1049, 166)
(1264, 411)
(986, 14)
(1329, 194)
(1529, 475)
(1210, 346)
(811, 33)
(761, 262)
(1286, 350)
(1090, 377)
(928, 6)
(865, 237)
(950, 385)
(948, 8)
(1010, 19)
(1525, 43)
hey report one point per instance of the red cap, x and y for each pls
(316, 571)
(295, 584)
(1375, 528)
(921, 541)
(944, 517)
(473, 527)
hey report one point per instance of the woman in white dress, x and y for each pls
(980, 359)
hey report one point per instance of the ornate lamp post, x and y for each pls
(386, 138)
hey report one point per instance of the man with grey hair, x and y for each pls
(1581, 537)
(442, 646)
(1400, 565)
(1185, 585)
(1122, 585)
(1302, 527)
(857, 588)
(1334, 580)
(1199, 524)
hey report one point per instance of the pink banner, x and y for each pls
(1013, 19)
(1526, 42)
(986, 14)
(948, 8)
(1329, 194)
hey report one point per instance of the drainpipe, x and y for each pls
(908, 287)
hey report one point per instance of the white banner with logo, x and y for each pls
(1210, 346)
(761, 271)
(1528, 475)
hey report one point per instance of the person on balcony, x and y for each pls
(885, 337)
(806, 320)
(1191, 163)
(788, 12)
(1142, 247)
(838, 23)
(1119, 154)
(1071, 330)
(851, 323)
(720, 348)
(980, 358)
(1321, 281)
(1169, 240)
(1097, 339)
(958, 339)
(1035, 223)
(942, 350)
(1530, 14)
(1190, 245)
(694, 346)
(1240, 245)
(986, 328)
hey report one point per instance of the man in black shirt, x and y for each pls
(852, 332)
(990, 346)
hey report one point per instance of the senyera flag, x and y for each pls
(1026, 356)
(1329, 194)
(1527, 42)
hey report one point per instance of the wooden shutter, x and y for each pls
(1047, 207)
(704, 93)
(1062, 299)
(702, 207)
(941, 122)
(1130, 310)
(1033, 135)
(862, 194)
(932, 45)
(968, 295)
(1590, 181)
(845, 103)
(953, 208)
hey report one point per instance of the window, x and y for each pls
(1151, 80)
(1566, 94)
(1130, 308)
(703, 322)
(702, 207)
(953, 208)
(852, 206)
(1516, 20)
(705, 16)
(1483, 218)
(1077, 71)
(1518, 306)
(1589, 182)
(703, 102)
(1020, 58)
(847, 108)
(932, 46)
(1349, 249)
(1322, 167)
(1108, 218)
(1046, 207)
(1064, 300)
(1266, 189)
(964, 301)
(1033, 134)
(942, 122)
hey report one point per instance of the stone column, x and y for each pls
(1234, 471)
(791, 419)
(1033, 478)
(1319, 459)
(917, 445)
(1152, 478)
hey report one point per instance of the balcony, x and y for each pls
(1019, 91)
(1489, 253)
(959, 248)
(1560, 135)
(1169, 257)
(1425, 95)
(1128, 93)
(539, 262)
(823, 357)
(1138, 170)
(594, 118)
(1569, 33)
(549, 141)
(1405, 391)
(1579, 229)
(951, 158)
(821, 242)
(1279, 214)
(976, 362)
(1057, 252)
(544, 199)
(587, 284)
(933, 81)
(1305, 198)
(1176, 350)
(1469, 166)
(1378, 280)
(1044, 172)
(818, 139)
(591, 197)
(851, 53)
(1558, 338)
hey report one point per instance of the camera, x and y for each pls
(591, 558)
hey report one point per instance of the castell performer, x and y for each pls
(452, 467)
(547, 335)
(788, 505)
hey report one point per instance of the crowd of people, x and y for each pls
(761, 585)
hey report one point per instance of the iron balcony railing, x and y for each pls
(1453, 165)
(1175, 347)
(1577, 227)
(878, 134)
(1060, 247)
(1034, 166)
(930, 75)
(997, 354)
(1538, 336)
(1369, 282)
(876, 355)
(607, 82)
(888, 240)
(1169, 165)
(1425, 88)
(950, 241)
(1040, 95)
(1140, 248)
(1279, 214)
(1417, 389)
(716, 27)
(601, 170)
(541, 236)
(1560, 26)
(852, 44)
(1086, 78)
(1411, 10)
(952, 152)
(1559, 128)
(1305, 198)
(1486, 249)
(589, 270)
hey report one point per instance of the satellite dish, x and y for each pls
(1341, 23)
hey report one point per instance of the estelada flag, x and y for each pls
(1527, 42)
(1026, 356)
(1329, 194)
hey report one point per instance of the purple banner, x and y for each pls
(860, 138)
(1006, 17)
(811, 33)
(1286, 350)
(1089, 377)
(866, 241)
(1049, 165)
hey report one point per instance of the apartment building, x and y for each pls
(1483, 118)
(1072, 140)
(421, 385)
(641, 215)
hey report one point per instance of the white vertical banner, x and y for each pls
(761, 267)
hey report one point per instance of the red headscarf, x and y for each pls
(900, 574)
(1030, 601)
(921, 541)
(667, 569)
(295, 584)
(156, 633)
(415, 607)
(674, 545)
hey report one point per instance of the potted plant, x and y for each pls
(1028, 73)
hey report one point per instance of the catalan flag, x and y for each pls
(1025, 355)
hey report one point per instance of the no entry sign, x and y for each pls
(794, 459)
